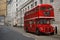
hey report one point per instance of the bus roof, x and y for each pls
(40, 5)
(44, 5)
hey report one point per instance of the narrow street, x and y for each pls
(15, 33)
(39, 16)
(40, 37)
(8, 34)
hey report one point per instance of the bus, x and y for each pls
(39, 19)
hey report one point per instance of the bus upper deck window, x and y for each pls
(42, 8)
(50, 8)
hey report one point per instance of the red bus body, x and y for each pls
(39, 18)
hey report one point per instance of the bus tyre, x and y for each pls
(52, 33)
(37, 32)
(55, 30)
(26, 29)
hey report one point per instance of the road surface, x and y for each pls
(7, 34)
(17, 33)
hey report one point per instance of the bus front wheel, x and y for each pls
(26, 29)
(37, 32)
(55, 30)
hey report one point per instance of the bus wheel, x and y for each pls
(26, 29)
(37, 32)
(55, 30)
(52, 33)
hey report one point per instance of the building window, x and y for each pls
(25, 9)
(9, 1)
(16, 9)
(28, 7)
(32, 5)
(20, 11)
(16, 4)
(41, 1)
(51, 0)
(16, 0)
(35, 3)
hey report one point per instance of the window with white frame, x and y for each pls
(16, 4)
(25, 9)
(16, 9)
(41, 1)
(16, 0)
(32, 5)
(20, 11)
(35, 3)
(51, 0)
(28, 7)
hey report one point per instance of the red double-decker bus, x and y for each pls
(39, 19)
